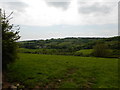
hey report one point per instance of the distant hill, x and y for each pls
(71, 42)
(70, 46)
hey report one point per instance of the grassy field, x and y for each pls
(25, 50)
(56, 71)
(84, 52)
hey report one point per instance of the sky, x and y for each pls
(45, 19)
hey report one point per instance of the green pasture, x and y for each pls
(84, 52)
(57, 71)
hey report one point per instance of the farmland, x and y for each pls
(72, 46)
(58, 71)
(69, 53)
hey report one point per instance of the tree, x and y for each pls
(101, 50)
(9, 38)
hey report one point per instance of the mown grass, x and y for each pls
(57, 71)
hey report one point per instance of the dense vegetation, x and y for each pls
(9, 37)
(57, 71)
(72, 46)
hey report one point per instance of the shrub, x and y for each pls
(101, 50)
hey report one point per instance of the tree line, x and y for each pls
(102, 47)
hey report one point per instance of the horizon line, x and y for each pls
(70, 37)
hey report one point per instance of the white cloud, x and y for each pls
(39, 13)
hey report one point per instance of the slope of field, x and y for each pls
(84, 52)
(56, 71)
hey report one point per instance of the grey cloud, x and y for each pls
(63, 5)
(19, 6)
(95, 8)
(9, 0)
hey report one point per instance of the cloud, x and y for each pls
(46, 13)
(63, 5)
(9, 0)
(96, 7)
(14, 6)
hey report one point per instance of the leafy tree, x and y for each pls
(101, 50)
(9, 37)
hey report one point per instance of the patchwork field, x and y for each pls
(57, 71)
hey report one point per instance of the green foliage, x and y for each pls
(9, 37)
(67, 44)
(116, 53)
(55, 71)
(44, 51)
(101, 50)
(71, 46)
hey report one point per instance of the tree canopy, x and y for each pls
(101, 50)
(9, 37)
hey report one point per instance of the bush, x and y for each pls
(101, 50)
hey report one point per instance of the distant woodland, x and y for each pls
(73, 46)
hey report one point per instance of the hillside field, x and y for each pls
(57, 71)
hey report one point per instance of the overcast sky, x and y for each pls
(44, 19)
